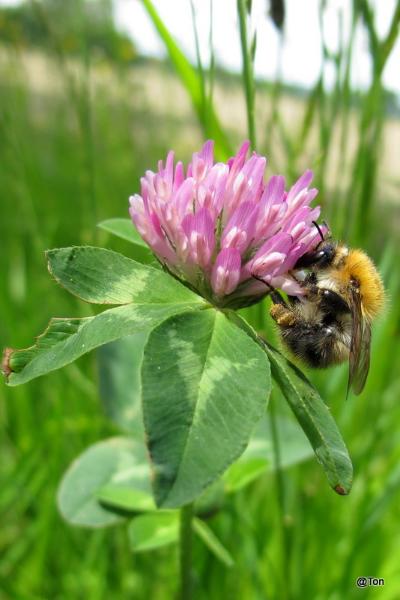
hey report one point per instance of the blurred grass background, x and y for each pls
(82, 115)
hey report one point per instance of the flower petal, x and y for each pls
(226, 271)
(199, 230)
(239, 231)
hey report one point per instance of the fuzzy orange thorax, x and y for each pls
(357, 265)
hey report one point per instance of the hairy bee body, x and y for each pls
(331, 322)
(313, 334)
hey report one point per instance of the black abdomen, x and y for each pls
(318, 345)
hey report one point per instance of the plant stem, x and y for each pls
(185, 549)
(248, 78)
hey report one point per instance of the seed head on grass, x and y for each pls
(220, 228)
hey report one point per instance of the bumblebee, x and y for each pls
(331, 322)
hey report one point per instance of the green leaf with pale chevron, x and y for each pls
(102, 276)
(66, 339)
(205, 385)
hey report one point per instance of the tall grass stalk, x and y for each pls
(247, 70)
(212, 56)
(371, 121)
(192, 82)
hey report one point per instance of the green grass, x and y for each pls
(70, 158)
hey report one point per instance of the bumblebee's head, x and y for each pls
(320, 258)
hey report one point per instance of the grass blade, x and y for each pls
(248, 79)
(212, 542)
(192, 82)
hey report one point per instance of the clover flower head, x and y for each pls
(224, 231)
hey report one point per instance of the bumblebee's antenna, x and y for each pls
(321, 235)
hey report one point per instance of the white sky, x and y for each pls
(301, 58)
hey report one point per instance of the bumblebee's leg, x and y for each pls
(282, 314)
(275, 295)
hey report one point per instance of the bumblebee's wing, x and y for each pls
(360, 347)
